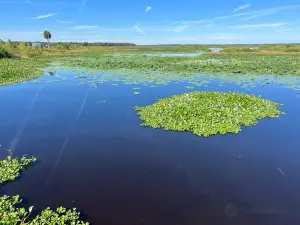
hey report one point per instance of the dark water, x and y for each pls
(94, 156)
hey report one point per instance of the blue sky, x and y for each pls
(153, 21)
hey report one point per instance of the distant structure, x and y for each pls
(36, 45)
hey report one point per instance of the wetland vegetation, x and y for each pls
(208, 113)
(10, 211)
(26, 63)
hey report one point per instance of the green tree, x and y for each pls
(22, 46)
(9, 45)
(47, 35)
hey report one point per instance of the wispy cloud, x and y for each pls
(148, 8)
(84, 27)
(259, 25)
(194, 22)
(186, 22)
(44, 16)
(80, 36)
(266, 12)
(83, 5)
(231, 16)
(242, 7)
(211, 24)
(283, 30)
(259, 13)
(226, 37)
(64, 22)
(179, 28)
(138, 29)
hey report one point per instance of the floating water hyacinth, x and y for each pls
(208, 113)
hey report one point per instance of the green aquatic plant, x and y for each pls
(136, 93)
(208, 113)
(10, 168)
(204, 64)
(14, 71)
(11, 214)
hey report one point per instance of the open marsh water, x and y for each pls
(94, 155)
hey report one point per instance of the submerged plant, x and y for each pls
(208, 113)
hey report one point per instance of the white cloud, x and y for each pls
(194, 22)
(266, 12)
(190, 22)
(179, 28)
(259, 25)
(148, 8)
(231, 16)
(44, 16)
(242, 7)
(80, 37)
(138, 29)
(226, 37)
(259, 13)
(283, 30)
(212, 24)
(84, 27)
(64, 22)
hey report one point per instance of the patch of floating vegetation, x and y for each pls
(150, 77)
(136, 93)
(204, 64)
(208, 113)
(10, 168)
(11, 213)
(14, 71)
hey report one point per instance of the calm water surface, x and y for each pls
(93, 155)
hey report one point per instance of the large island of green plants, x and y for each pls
(208, 113)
